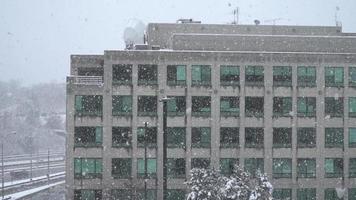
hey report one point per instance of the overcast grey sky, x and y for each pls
(38, 36)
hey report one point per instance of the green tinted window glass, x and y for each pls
(352, 105)
(176, 137)
(88, 166)
(339, 75)
(171, 106)
(98, 134)
(206, 73)
(352, 193)
(306, 194)
(352, 167)
(78, 103)
(77, 165)
(174, 195)
(227, 165)
(151, 166)
(88, 195)
(352, 75)
(181, 73)
(205, 135)
(302, 107)
(98, 165)
(196, 73)
(282, 194)
(329, 165)
(352, 136)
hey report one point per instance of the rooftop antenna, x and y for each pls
(337, 22)
(236, 14)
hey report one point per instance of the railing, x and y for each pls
(85, 80)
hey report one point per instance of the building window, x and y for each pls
(229, 106)
(227, 165)
(352, 106)
(122, 194)
(147, 106)
(334, 167)
(121, 105)
(352, 76)
(122, 74)
(254, 166)
(173, 194)
(282, 193)
(121, 136)
(282, 76)
(282, 106)
(352, 168)
(306, 194)
(282, 168)
(203, 163)
(147, 136)
(306, 137)
(151, 167)
(201, 106)
(229, 137)
(176, 75)
(334, 76)
(229, 75)
(282, 137)
(254, 138)
(151, 194)
(176, 168)
(88, 105)
(254, 107)
(147, 75)
(306, 76)
(90, 71)
(330, 194)
(121, 168)
(352, 137)
(352, 193)
(254, 76)
(334, 137)
(201, 137)
(306, 168)
(87, 194)
(306, 106)
(201, 75)
(88, 168)
(88, 136)
(334, 107)
(176, 106)
(176, 137)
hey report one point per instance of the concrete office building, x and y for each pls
(280, 99)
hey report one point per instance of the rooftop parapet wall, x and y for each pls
(77, 61)
(161, 33)
(268, 43)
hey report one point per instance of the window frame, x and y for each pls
(233, 110)
(124, 165)
(229, 79)
(97, 132)
(145, 68)
(174, 171)
(352, 107)
(337, 173)
(277, 131)
(278, 169)
(201, 131)
(117, 73)
(198, 111)
(120, 130)
(332, 132)
(308, 80)
(119, 101)
(95, 103)
(172, 76)
(254, 79)
(306, 131)
(284, 109)
(254, 112)
(98, 170)
(334, 107)
(147, 105)
(143, 138)
(227, 133)
(257, 137)
(303, 168)
(331, 80)
(309, 102)
(256, 164)
(174, 141)
(202, 69)
(284, 76)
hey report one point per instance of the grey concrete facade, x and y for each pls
(163, 58)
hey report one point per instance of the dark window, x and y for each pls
(90, 71)
(147, 74)
(126, 194)
(254, 106)
(229, 106)
(330, 194)
(121, 105)
(352, 77)
(147, 136)
(176, 106)
(306, 106)
(352, 137)
(227, 165)
(334, 107)
(306, 168)
(201, 137)
(254, 166)
(176, 75)
(334, 137)
(176, 167)
(229, 75)
(200, 163)
(176, 137)
(334, 167)
(88, 136)
(121, 136)
(282, 137)
(254, 76)
(201, 106)
(352, 168)
(306, 137)
(122, 74)
(229, 137)
(306, 194)
(254, 138)
(282, 193)
(352, 106)
(150, 193)
(121, 168)
(88, 168)
(201, 75)
(334, 76)
(282, 168)
(147, 106)
(352, 194)
(306, 76)
(87, 194)
(282, 76)
(151, 167)
(88, 105)
(173, 194)
(282, 106)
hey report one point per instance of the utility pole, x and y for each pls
(164, 100)
(48, 169)
(2, 169)
(31, 140)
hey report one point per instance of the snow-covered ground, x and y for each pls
(26, 193)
